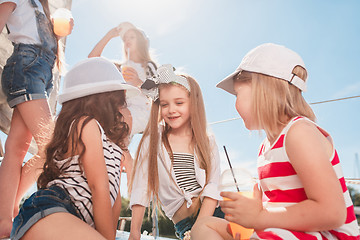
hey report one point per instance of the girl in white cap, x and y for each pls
(302, 192)
(177, 162)
(79, 188)
(136, 68)
(27, 82)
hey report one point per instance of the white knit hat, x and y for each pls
(269, 59)
(92, 76)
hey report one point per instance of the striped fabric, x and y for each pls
(74, 181)
(183, 165)
(282, 187)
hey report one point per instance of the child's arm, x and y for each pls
(208, 206)
(98, 180)
(137, 215)
(309, 152)
(99, 47)
(116, 210)
(6, 10)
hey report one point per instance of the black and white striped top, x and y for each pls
(183, 165)
(75, 182)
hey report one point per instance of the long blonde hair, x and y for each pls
(199, 131)
(276, 101)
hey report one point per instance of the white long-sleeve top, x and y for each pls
(170, 194)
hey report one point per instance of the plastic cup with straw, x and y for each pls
(126, 65)
(237, 180)
(61, 19)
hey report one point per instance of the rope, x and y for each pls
(334, 100)
(313, 103)
(355, 181)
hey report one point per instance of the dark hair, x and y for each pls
(66, 138)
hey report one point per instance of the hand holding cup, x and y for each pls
(234, 200)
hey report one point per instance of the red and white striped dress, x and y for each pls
(282, 187)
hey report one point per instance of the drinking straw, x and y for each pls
(128, 51)
(232, 171)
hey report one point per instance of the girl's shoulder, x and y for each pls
(303, 130)
(297, 123)
(91, 125)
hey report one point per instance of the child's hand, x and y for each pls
(114, 32)
(131, 76)
(242, 210)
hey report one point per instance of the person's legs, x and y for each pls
(29, 119)
(61, 226)
(37, 118)
(210, 228)
(16, 146)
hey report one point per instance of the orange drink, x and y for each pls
(62, 26)
(61, 19)
(245, 233)
(237, 180)
(124, 68)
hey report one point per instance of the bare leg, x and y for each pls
(29, 119)
(59, 226)
(210, 228)
(19, 138)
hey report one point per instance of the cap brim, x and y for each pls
(71, 94)
(227, 83)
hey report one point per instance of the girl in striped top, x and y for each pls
(79, 188)
(302, 188)
(177, 162)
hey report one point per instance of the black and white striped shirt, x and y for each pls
(183, 165)
(75, 182)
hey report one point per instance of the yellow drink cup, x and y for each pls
(245, 233)
(124, 68)
(62, 26)
(61, 19)
(240, 181)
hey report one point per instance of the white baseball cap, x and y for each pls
(92, 76)
(268, 59)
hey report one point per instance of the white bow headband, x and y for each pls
(164, 74)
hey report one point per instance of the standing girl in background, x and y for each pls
(80, 183)
(303, 188)
(27, 82)
(177, 163)
(136, 68)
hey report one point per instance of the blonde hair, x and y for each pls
(200, 138)
(276, 101)
(142, 45)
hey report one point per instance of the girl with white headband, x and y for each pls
(177, 162)
(302, 192)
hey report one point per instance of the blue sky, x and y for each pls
(208, 38)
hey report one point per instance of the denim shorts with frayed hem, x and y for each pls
(39, 205)
(186, 224)
(27, 74)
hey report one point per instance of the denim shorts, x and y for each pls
(27, 74)
(39, 205)
(186, 224)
